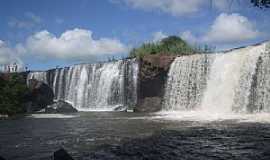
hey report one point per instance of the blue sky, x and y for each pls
(43, 34)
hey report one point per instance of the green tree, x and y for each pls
(172, 45)
(13, 94)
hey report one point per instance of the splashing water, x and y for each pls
(220, 84)
(94, 87)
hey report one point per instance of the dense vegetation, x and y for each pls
(172, 45)
(13, 92)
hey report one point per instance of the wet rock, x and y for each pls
(41, 95)
(60, 107)
(120, 108)
(152, 79)
(61, 154)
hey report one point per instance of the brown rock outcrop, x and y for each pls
(152, 79)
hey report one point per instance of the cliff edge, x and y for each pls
(153, 71)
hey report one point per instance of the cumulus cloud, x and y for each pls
(5, 53)
(226, 28)
(231, 28)
(8, 55)
(76, 44)
(158, 36)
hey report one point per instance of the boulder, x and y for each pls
(61, 154)
(120, 108)
(60, 107)
(41, 95)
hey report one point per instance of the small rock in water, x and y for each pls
(60, 107)
(120, 108)
(1, 158)
(61, 154)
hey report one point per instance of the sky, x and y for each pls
(43, 34)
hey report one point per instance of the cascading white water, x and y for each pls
(41, 76)
(230, 80)
(260, 91)
(89, 87)
(186, 82)
(236, 81)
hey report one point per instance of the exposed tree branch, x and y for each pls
(261, 3)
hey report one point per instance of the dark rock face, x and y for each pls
(60, 107)
(150, 104)
(152, 79)
(61, 154)
(120, 108)
(41, 95)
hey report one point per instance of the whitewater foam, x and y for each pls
(58, 116)
(219, 85)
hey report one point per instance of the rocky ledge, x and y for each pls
(152, 79)
(41, 95)
(60, 107)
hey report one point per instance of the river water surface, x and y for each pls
(118, 135)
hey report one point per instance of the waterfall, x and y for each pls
(186, 82)
(230, 80)
(89, 87)
(235, 81)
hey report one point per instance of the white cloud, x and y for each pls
(76, 44)
(173, 7)
(226, 29)
(5, 53)
(8, 56)
(158, 36)
(189, 37)
(231, 28)
(28, 21)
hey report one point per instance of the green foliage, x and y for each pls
(12, 95)
(172, 45)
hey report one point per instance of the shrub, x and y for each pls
(172, 45)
